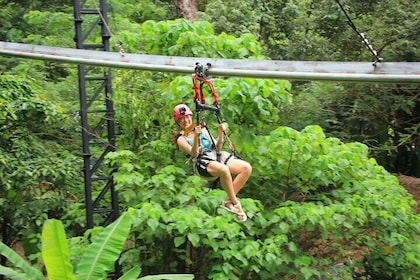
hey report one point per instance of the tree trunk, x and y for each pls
(187, 9)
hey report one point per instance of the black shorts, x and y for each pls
(201, 162)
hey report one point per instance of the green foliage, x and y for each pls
(100, 256)
(318, 30)
(45, 24)
(97, 261)
(25, 270)
(381, 116)
(11, 32)
(233, 17)
(317, 192)
(306, 166)
(320, 208)
(140, 11)
(36, 173)
(55, 251)
(184, 38)
(169, 276)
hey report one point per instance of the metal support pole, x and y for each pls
(97, 115)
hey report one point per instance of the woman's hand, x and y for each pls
(197, 130)
(222, 127)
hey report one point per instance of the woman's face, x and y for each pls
(185, 121)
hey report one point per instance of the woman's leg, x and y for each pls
(217, 169)
(242, 170)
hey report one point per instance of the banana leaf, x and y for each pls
(100, 256)
(131, 274)
(21, 263)
(55, 251)
(12, 274)
(169, 277)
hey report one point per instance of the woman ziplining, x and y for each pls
(209, 161)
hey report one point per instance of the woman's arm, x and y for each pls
(219, 142)
(184, 146)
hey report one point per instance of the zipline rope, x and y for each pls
(361, 35)
(105, 23)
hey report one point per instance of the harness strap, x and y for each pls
(199, 79)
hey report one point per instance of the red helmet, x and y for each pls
(180, 111)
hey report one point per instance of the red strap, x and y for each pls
(198, 90)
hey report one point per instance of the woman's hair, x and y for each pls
(175, 135)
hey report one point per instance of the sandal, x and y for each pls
(235, 209)
(228, 206)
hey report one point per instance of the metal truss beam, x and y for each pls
(96, 112)
(393, 72)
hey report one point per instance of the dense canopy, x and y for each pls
(322, 201)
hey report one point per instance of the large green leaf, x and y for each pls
(55, 251)
(99, 258)
(169, 277)
(29, 271)
(131, 274)
(12, 274)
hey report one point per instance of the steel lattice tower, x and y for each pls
(97, 114)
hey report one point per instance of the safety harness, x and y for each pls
(199, 79)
